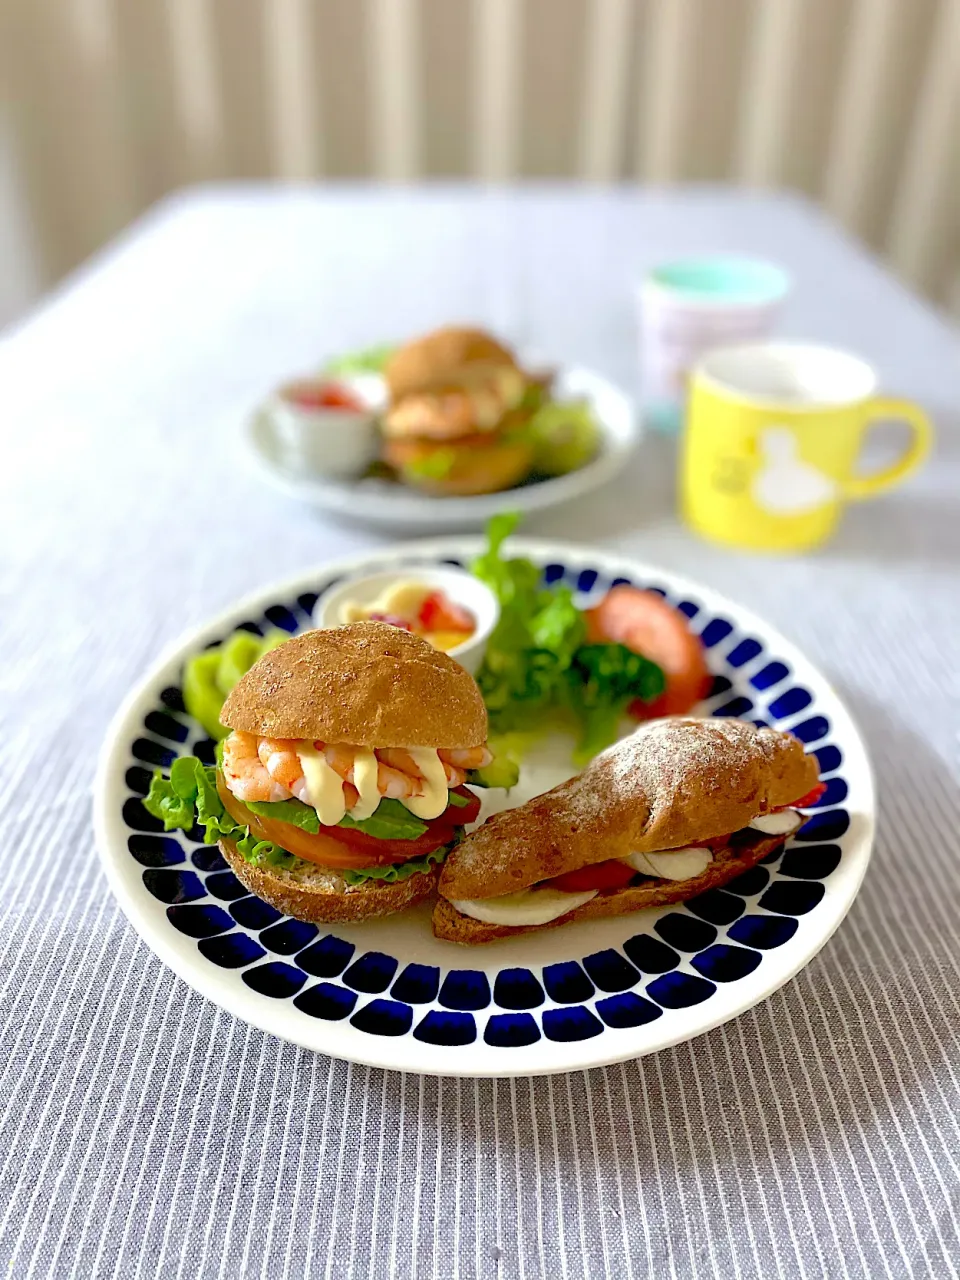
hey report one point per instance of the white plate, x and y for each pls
(387, 992)
(393, 506)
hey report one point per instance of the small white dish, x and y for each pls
(458, 585)
(386, 505)
(324, 442)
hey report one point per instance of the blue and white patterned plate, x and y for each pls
(387, 992)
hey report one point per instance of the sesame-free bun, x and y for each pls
(368, 684)
(321, 895)
(441, 359)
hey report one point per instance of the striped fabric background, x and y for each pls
(144, 1133)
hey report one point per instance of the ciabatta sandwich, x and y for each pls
(679, 807)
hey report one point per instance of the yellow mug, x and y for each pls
(772, 436)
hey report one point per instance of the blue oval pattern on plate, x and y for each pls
(611, 971)
(326, 958)
(418, 984)
(566, 983)
(465, 989)
(651, 955)
(511, 1030)
(680, 990)
(442, 1027)
(517, 989)
(569, 1000)
(231, 950)
(156, 851)
(627, 1010)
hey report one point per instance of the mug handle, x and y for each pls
(859, 487)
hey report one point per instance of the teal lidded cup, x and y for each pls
(691, 305)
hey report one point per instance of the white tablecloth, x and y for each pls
(144, 1133)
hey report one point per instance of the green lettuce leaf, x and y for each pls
(390, 821)
(189, 797)
(601, 681)
(295, 812)
(435, 465)
(536, 636)
(538, 666)
(367, 360)
(265, 852)
(395, 871)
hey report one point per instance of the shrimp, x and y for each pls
(391, 782)
(269, 769)
(437, 416)
(279, 757)
(400, 759)
(244, 773)
(467, 758)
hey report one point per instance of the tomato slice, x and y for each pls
(439, 613)
(645, 623)
(811, 798)
(342, 847)
(613, 874)
(462, 815)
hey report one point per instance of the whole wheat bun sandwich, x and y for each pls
(679, 807)
(344, 772)
(456, 418)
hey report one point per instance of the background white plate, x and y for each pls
(609, 970)
(392, 506)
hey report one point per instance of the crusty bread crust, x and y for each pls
(439, 358)
(672, 783)
(728, 863)
(368, 684)
(323, 896)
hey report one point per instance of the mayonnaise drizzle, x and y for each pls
(365, 780)
(324, 786)
(435, 797)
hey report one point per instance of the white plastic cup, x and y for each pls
(692, 305)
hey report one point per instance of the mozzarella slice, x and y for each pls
(672, 864)
(777, 824)
(527, 906)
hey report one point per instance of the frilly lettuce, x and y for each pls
(394, 871)
(189, 797)
(538, 666)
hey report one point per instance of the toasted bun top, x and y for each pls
(367, 683)
(443, 358)
(672, 783)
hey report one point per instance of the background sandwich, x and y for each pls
(458, 414)
(679, 807)
(341, 786)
